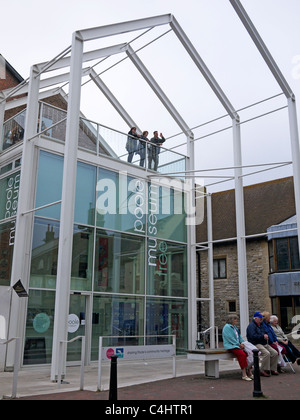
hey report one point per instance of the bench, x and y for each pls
(211, 358)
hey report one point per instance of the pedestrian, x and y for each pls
(154, 150)
(132, 143)
(257, 336)
(233, 341)
(143, 147)
(292, 352)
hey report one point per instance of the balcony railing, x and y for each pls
(95, 138)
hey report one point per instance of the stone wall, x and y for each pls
(227, 290)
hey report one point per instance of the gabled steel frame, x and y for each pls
(24, 221)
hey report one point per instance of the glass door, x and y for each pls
(76, 325)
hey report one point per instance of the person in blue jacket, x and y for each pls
(233, 341)
(259, 338)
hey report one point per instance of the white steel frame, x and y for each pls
(33, 85)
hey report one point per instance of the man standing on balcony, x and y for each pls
(154, 149)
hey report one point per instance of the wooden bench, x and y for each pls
(211, 358)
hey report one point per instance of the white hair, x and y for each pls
(273, 318)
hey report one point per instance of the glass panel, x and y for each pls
(222, 265)
(119, 263)
(49, 184)
(286, 313)
(294, 250)
(120, 202)
(51, 116)
(282, 254)
(85, 194)
(167, 216)
(82, 258)
(216, 269)
(297, 305)
(9, 195)
(13, 130)
(44, 254)
(117, 316)
(167, 268)
(271, 257)
(7, 237)
(167, 317)
(39, 327)
(87, 137)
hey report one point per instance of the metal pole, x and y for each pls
(23, 231)
(67, 207)
(113, 385)
(16, 367)
(100, 363)
(257, 388)
(82, 363)
(210, 272)
(240, 229)
(294, 135)
(174, 357)
(2, 113)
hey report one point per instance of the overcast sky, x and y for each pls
(35, 31)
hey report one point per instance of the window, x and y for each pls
(220, 269)
(232, 306)
(286, 253)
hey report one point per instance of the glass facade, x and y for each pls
(9, 195)
(129, 258)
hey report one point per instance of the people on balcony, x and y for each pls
(154, 150)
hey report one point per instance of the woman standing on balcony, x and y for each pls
(132, 143)
(142, 147)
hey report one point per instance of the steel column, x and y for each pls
(240, 228)
(67, 208)
(24, 220)
(2, 113)
(294, 136)
(210, 271)
(191, 251)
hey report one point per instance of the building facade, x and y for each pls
(129, 274)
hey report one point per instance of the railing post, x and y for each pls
(113, 385)
(82, 363)
(100, 363)
(16, 368)
(174, 357)
(257, 388)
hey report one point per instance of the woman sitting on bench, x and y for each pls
(233, 341)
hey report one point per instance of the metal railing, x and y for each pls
(62, 349)
(95, 138)
(16, 363)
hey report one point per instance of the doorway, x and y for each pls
(78, 325)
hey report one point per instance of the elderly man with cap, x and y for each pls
(257, 336)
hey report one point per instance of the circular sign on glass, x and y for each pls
(41, 322)
(73, 323)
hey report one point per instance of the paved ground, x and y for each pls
(195, 387)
